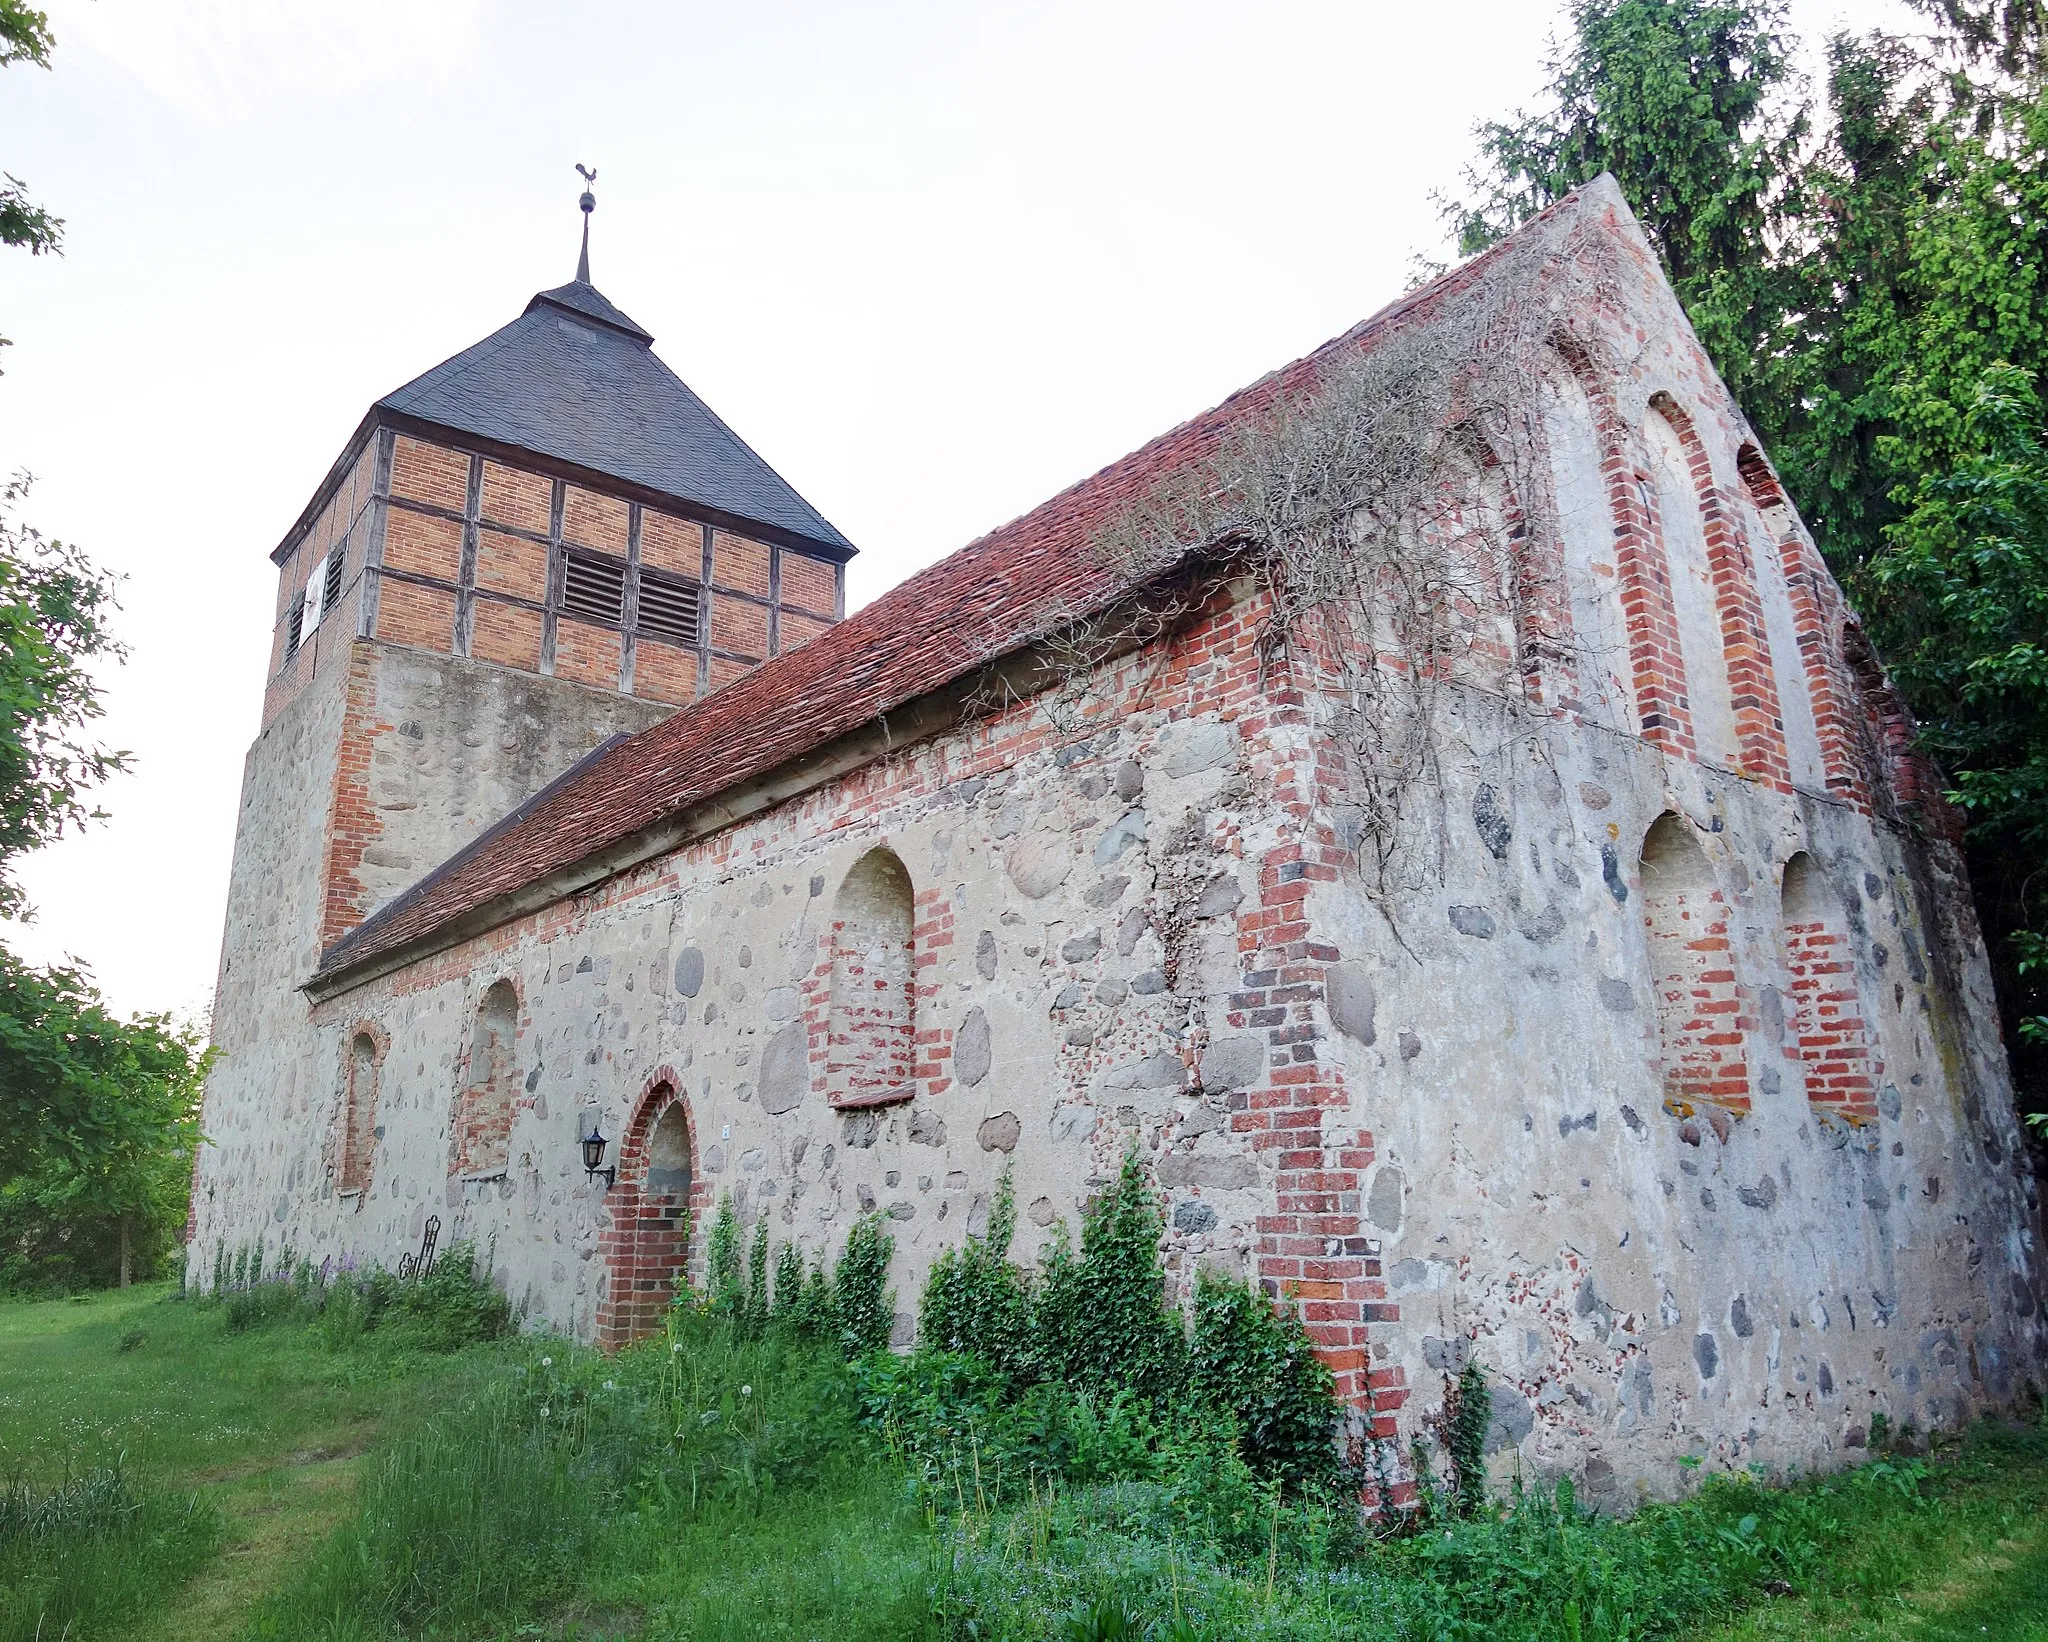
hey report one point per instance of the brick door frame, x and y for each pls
(643, 1253)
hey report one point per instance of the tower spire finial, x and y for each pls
(589, 204)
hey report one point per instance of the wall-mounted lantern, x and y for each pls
(594, 1144)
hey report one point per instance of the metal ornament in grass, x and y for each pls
(411, 1266)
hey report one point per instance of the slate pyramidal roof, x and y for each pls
(771, 732)
(576, 383)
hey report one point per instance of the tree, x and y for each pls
(54, 609)
(1690, 103)
(1964, 587)
(25, 38)
(98, 1115)
(95, 1179)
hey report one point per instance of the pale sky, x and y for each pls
(934, 261)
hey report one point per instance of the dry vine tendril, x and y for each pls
(1383, 511)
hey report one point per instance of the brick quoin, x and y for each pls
(354, 824)
(1312, 1250)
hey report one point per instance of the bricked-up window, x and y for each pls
(1692, 974)
(483, 1115)
(669, 608)
(1825, 1034)
(358, 1114)
(594, 587)
(873, 1032)
(1758, 479)
(1694, 598)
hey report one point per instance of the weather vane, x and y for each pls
(588, 202)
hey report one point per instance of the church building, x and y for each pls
(1589, 984)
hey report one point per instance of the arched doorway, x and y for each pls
(647, 1245)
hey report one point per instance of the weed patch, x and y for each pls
(93, 1550)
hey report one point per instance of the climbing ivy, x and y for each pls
(755, 1316)
(976, 1302)
(1467, 1416)
(725, 1273)
(1102, 1319)
(864, 1304)
(1254, 1363)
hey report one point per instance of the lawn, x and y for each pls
(274, 1482)
(264, 1433)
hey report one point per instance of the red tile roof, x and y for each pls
(1020, 582)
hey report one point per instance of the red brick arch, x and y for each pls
(1731, 566)
(647, 1240)
(1644, 575)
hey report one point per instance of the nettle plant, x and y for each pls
(1085, 1349)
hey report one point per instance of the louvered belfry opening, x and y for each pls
(594, 586)
(669, 608)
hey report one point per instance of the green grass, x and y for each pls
(1973, 1564)
(715, 1488)
(724, 1489)
(253, 1438)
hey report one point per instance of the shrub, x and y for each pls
(1102, 1321)
(863, 1303)
(452, 1305)
(1254, 1365)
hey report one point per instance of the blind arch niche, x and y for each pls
(1692, 974)
(872, 1044)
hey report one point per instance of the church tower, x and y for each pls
(541, 544)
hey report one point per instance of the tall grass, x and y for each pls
(676, 1477)
(92, 1551)
(715, 1485)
